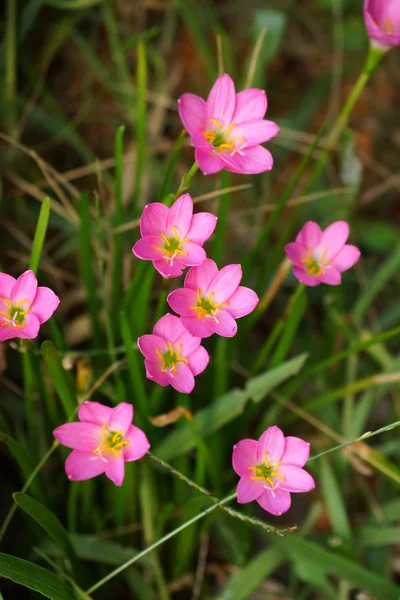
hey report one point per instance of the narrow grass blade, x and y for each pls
(117, 263)
(59, 377)
(141, 91)
(40, 234)
(136, 370)
(335, 503)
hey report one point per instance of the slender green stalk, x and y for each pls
(118, 219)
(40, 234)
(141, 90)
(170, 169)
(187, 180)
(219, 238)
(11, 68)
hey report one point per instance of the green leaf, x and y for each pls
(370, 537)
(73, 4)
(40, 234)
(49, 522)
(59, 377)
(335, 503)
(258, 387)
(34, 577)
(21, 456)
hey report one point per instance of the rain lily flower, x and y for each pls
(173, 356)
(172, 238)
(24, 306)
(102, 442)
(382, 20)
(211, 300)
(228, 128)
(320, 256)
(271, 469)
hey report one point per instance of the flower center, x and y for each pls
(265, 472)
(172, 246)
(16, 313)
(388, 26)
(315, 266)
(205, 307)
(219, 138)
(170, 358)
(113, 441)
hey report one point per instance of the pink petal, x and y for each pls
(149, 344)
(254, 132)
(331, 277)
(248, 490)
(79, 436)
(121, 417)
(295, 252)
(272, 442)
(183, 380)
(44, 304)
(188, 343)
(346, 258)
(180, 216)
(83, 465)
(139, 444)
(202, 227)
(6, 284)
(24, 288)
(31, 329)
(169, 328)
(276, 504)
(193, 112)
(198, 360)
(254, 160)
(115, 468)
(167, 270)
(244, 455)
(182, 300)
(226, 325)
(208, 163)
(296, 452)
(221, 101)
(310, 235)
(153, 219)
(145, 248)
(195, 254)
(201, 276)
(251, 105)
(94, 412)
(8, 332)
(242, 302)
(154, 373)
(296, 479)
(225, 283)
(303, 277)
(333, 239)
(201, 328)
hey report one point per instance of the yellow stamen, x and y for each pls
(166, 240)
(217, 123)
(388, 26)
(7, 301)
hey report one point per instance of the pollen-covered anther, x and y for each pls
(172, 246)
(113, 441)
(206, 308)
(170, 358)
(220, 139)
(265, 472)
(16, 313)
(315, 266)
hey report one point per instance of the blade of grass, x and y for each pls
(117, 268)
(40, 234)
(59, 377)
(141, 90)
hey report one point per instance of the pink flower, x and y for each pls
(270, 470)
(173, 355)
(382, 20)
(320, 256)
(211, 300)
(102, 442)
(24, 306)
(228, 129)
(173, 237)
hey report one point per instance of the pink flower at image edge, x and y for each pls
(24, 306)
(173, 238)
(271, 469)
(102, 441)
(321, 256)
(228, 128)
(173, 356)
(382, 21)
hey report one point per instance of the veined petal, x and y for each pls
(276, 504)
(94, 412)
(251, 161)
(244, 455)
(182, 301)
(303, 277)
(221, 101)
(333, 239)
(167, 270)
(44, 304)
(193, 113)
(225, 283)
(83, 465)
(296, 452)
(208, 163)
(255, 132)
(201, 227)
(183, 380)
(201, 328)
(251, 105)
(271, 442)
(6, 284)
(296, 479)
(121, 417)
(153, 219)
(295, 252)
(200, 277)
(79, 436)
(242, 302)
(248, 490)
(115, 468)
(149, 344)
(31, 328)
(224, 324)
(198, 360)
(24, 288)
(310, 235)
(180, 216)
(154, 373)
(331, 277)
(346, 258)
(169, 327)
(195, 254)
(188, 343)
(145, 248)
(139, 444)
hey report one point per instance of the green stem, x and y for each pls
(187, 179)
